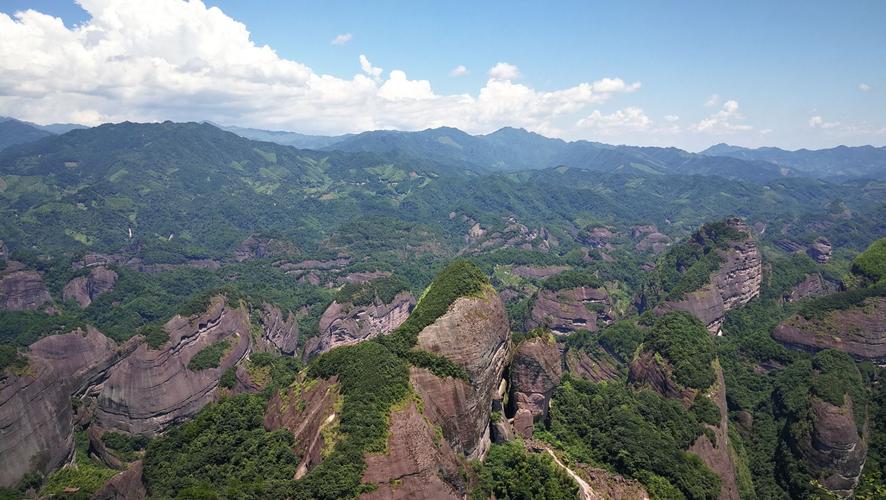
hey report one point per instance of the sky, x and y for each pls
(689, 74)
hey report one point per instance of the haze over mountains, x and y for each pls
(513, 149)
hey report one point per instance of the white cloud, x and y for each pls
(671, 118)
(342, 39)
(712, 101)
(459, 70)
(369, 69)
(864, 87)
(504, 71)
(630, 119)
(723, 121)
(818, 122)
(176, 60)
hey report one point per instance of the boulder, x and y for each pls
(84, 289)
(474, 335)
(523, 423)
(346, 324)
(22, 290)
(153, 389)
(36, 414)
(535, 373)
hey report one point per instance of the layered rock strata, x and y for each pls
(84, 289)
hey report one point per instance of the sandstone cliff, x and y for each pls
(21, 290)
(565, 311)
(592, 365)
(717, 455)
(735, 283)
(535, 372)
(36, 414)
(84, 289)
(834, 449)
(279, 332)
(152, 389)
(858, 331)
(474, 335)
(345, 324)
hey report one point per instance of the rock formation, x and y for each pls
(812, 286)
(857, 331)
(305, 409)
(735, 283)
(36, 414)
(565, 311)
(717, 455)
(346, 324)
(474, 335)
(85, 289)
(656, 373)
(535, 372)
(820, 250)
(21, 290)
(152, 389)
(279, 332)
(256, 247)
(4, 251)
(416, 464)
(834, 449)
(592, 365)
(126, 485)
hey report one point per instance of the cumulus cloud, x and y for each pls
(818, 122)
(630, 119)
(170, 59)
(723, 121)
(504, 71)
(342, 39)
(459, 70)
(864, 87)
(712, 101)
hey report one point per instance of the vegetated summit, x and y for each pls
(190, 312)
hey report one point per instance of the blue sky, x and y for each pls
(791, 74)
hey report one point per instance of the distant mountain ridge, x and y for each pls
(13, 131)
(836, 163)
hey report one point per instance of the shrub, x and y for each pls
(209, 357)
(509, 471)
(687, 345)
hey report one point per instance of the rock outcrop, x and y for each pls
(820, 250)
(22, 290)
(416, 463)
(84, 289)
(280, 332)
(565, 311)
(305, 409)
(346, 324)
(153, 389)
(857, 331)
(4, 251)
(812, 286)
(126, 485)
(717, 455)
(735, 283)
(835, 449)
(656, 373)
(535, 372)
(474, 335)
(592, 365)
(36, 414)
(257, 247)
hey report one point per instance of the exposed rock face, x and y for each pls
(4, 251)
(523, 423)
(646, 370)
(820, 250)
(812, 286)
(474, 335)
(653, 242)
(535, 373)
(416, 464)
(97, 447)
(152, 389)
(857, 331)
(717, 455)
(538, 272)
(84, 289)
(281, 333)
(565, 311)
(36, 417)
(346, 324)
(834, 449)
(305, 411)
(593, 366)
(22, 291)
(610, 486)
(256, 247)
(736, 282)
(126, 485)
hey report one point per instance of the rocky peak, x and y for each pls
(835, 449)
(474, 335)
(535, 372)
